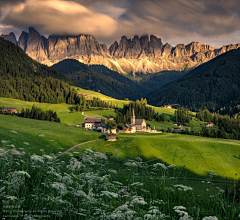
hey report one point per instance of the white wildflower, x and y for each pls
(184, 188)
(47, 157)
(41, 135)
(15, 152)
(112, 171)
(26, 143)
(137, 200)
(14, 131)
(179, 207)
(67, 180)
(12, 198)
(158, 165)
(12, 145)
(60, 187)
(89, 150)
(36, 158)
(79, 193)
(4, 142)
(210, 218)
(55, 174)
(118, 183)
(22, 173)
(109, 194)
(75, 164)
(137, 184)
(100, 155)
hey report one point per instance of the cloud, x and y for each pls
(214, 22)
(60, 17)
(184, 21)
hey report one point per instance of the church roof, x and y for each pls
(139, 121)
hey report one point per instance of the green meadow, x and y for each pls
(197, 154)
(33, 135)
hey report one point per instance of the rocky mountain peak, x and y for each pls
(10, 37)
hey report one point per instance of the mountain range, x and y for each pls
(129, 56)
(212, 85)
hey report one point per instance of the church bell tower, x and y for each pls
(133, 117)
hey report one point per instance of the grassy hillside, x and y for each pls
(117, 102)
(213, 85)
(33, 135)
(198, 154)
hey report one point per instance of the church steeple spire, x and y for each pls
(133, 117)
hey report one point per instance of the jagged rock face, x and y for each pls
(128, 56)
(22, 42)
(10, 37)
(37, 46)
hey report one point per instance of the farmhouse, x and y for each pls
(91, 122)
(178, 124)
(10, 109)
(111, 137)
(209, 124)
(85, 95)
(167, 106)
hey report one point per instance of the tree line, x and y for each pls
(141, 110)
(228, 126)
(35, 113)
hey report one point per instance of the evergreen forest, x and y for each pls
(212, 85)
(25, 79)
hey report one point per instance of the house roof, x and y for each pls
(129, 125)
(139, 121)
(104, 126)
(178, 123)
(111, 136)
(92, 120)
(8, 108)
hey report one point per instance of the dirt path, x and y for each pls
(77, 146)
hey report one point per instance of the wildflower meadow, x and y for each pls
(90, 186)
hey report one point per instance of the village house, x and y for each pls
(85, 95)
(209, 124)
(178, 124)
(166, 106)
(111, 137)
(129, 128)
(10, 109)
(91, 123)
(104, 129)
(177, 130)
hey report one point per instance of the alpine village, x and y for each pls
(102, 119)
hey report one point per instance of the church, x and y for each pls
(136, 125)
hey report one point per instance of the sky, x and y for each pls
(212, 22)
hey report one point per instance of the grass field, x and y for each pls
(105, 98)
(160, 125)
(198, 154)
(202, 154)
(101, 113)
(33, 135)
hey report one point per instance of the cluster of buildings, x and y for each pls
(92, 123)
